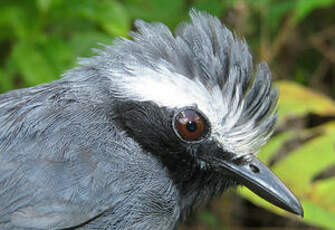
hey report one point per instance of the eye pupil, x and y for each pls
(191, 126)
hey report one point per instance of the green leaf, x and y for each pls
(12, 18)
(43, 5)
(32, 63)
(214, 7)
(322, 193)
(113, 18)
(276, 13)
(316, 215)
(5, 81)
(82, 43)
(274, 146)
(259, 4)
(304, 7)
(22, 20)
(296, 100)
(58, 53)
(301, 165)
(170, 12)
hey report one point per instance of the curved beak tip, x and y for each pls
(298, 210)
(259, 179)
(292, 205)
(287, 201)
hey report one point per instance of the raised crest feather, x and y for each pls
(202, 64)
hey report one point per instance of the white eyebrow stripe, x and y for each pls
(169, 90)
(203, 64)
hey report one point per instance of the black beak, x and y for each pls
(259, 179)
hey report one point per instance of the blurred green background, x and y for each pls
(40, 39)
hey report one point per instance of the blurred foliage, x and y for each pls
(302, 151)
(40, 39)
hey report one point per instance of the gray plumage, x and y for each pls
(71, 151)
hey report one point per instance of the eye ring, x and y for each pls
(191, 125)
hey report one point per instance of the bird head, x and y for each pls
(193, 100)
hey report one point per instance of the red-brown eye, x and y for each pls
(190, 125)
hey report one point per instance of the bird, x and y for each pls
(141, 133)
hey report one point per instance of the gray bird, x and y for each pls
(140, 134)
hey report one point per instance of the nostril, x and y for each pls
(254, 168)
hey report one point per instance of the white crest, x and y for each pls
(203, 65)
